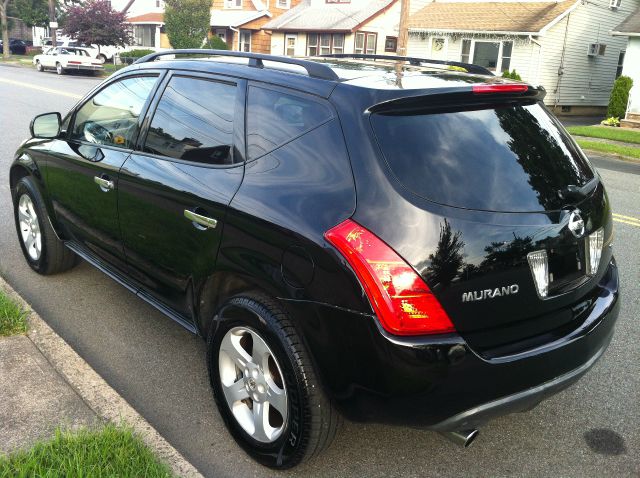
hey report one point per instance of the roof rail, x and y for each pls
(314, 70)
(470, 67)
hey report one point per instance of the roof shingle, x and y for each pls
(330, 17)
(631, 24)
(525, 17)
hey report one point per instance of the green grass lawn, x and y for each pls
(606, 132)
(13, 319)
(106, 452)
(629, 151)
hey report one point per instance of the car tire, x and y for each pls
(44, 252)
(39, 66)
(308, 422)
(59, 69)
(102, 58)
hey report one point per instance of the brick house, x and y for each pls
(239, 22)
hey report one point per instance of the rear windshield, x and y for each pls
(512, 158)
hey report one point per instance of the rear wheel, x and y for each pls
(265, 386)
(59, 69)
(44, 252)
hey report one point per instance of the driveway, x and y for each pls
(591, 429)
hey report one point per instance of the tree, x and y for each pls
(619, 97)
(34, 13)
(4, 23)
(96, 23)
(187, 22)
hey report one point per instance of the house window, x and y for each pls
(391, 44)
(144, 35)
(312, 44)
(324, 43)
(222, 34)
(494, 56)
(615, 4)
(620, 63)
(290, 44)
(465, 55)
(366, 43)
(232, 3)
(286, 4)
(245, 40)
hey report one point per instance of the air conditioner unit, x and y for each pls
(596, 49)
(614, 4)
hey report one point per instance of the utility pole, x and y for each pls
(53, 24)
(403, 34)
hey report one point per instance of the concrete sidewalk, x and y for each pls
(45, 384)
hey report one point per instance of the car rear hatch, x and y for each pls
(500, 213)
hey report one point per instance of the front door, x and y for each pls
(83, 165)
(173, 194)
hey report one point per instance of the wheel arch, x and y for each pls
(25, 166)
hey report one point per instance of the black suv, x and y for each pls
(395, 240)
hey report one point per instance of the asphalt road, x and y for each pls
(591, 429)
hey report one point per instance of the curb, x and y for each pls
(94, 391)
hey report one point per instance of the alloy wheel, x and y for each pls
(253, 384)
(29, 227)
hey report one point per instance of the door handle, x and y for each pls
(200, 220)
(104, 183)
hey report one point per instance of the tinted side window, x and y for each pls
(274, 118)
(194, 121)
(111, 116)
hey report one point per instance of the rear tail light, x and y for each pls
(500, 88)
(400, 298)
(595, 243)
(539, 264)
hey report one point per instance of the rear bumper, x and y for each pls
(440, 383)
(84, 67)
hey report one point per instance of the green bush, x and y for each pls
(513, 75)
(619, 97)
(216, 43)
(611, 121)
(135, 53)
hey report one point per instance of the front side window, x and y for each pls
(194, 121)
(275, 118)
(110, 118)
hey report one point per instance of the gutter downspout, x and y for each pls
(237, 30)
(536, 42)
(561, 67)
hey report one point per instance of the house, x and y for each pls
(630, 28)
(239, 22)
(565, 46)
(321, 27)
(148, 31)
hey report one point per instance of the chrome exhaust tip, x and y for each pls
(463, 438)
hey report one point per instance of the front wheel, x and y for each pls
(44, 252)
(59, 69)
(39, 66)
(264, 384)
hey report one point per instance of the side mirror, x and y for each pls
(46, 126)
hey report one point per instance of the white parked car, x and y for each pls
(63, 59)
(104, 52)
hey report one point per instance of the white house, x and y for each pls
(322, 27)
(631, 67)
(565, 46)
